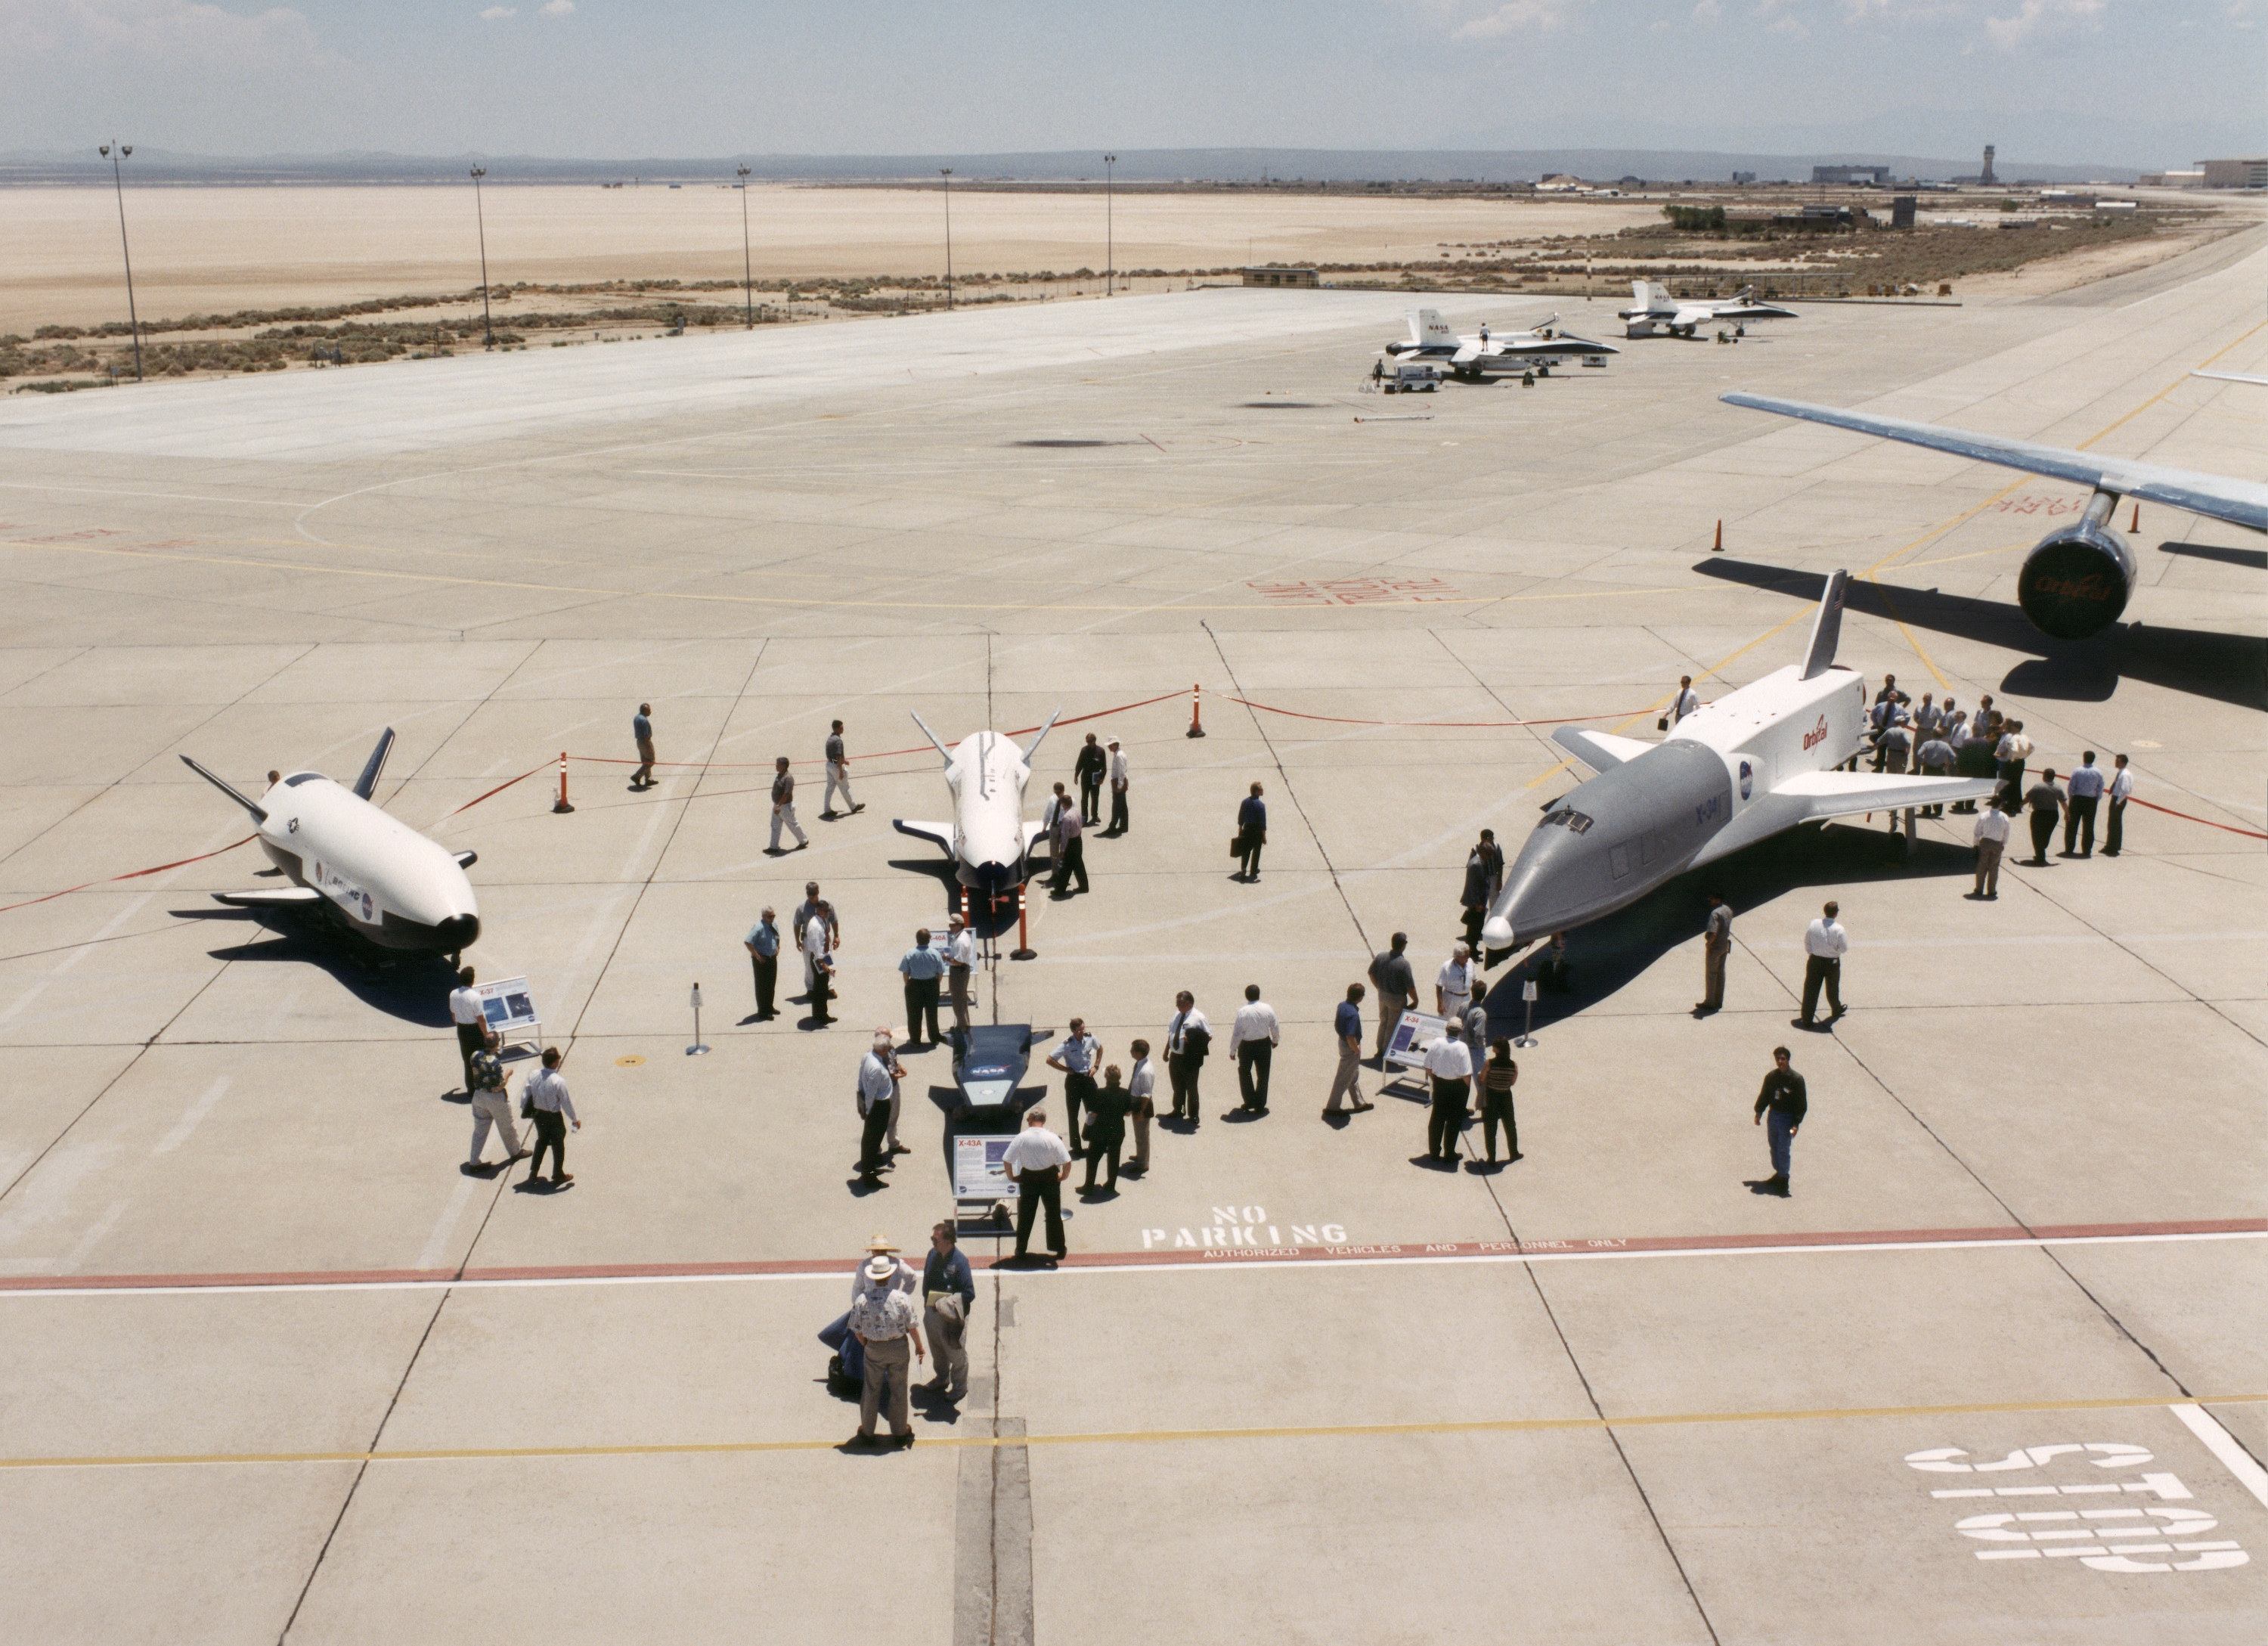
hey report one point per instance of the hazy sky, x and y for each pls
(2116, 81)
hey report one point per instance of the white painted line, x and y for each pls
(93, 1237)
(833, 1277)
(437, 1249)
(2223, 1444)
(191, 1117)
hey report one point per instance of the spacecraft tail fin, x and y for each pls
(1826, 627)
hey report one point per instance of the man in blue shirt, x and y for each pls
(642, 733)
(2085, 787)
(1075, 1060)
(1346, 1025)
(1251, 835)
(949, 1292)
(921, 969)
(763, 946)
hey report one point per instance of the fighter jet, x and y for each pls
(377, 877)
(1652, 309)
(987, 838)
(2077, 579)
(1488, 354)
(1756, 762)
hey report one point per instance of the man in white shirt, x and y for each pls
(2009, 756)
(960, 966)
(1188, 1038)
(1824, 945)
(466, 1012)
(1142, 1086)
(1117, 791)
(553, 1110)
(2085, 788)
(878, 1075)
(1687, 701)
(1038, 1162)
(1991, 839)
(818, 961)
(1253, 1039)
(1451, 1066)
(2122, 788)
(1453, 986)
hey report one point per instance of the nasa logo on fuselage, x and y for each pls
(1818, 735)
(1748, 780)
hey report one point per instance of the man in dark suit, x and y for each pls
(1088, 769)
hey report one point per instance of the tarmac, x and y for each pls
(271, 1368)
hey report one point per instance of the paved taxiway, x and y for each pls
(270, 1367)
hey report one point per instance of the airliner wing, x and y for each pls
(1846, 793)
(2239, 502)
(1602, 751)
(283, 897)
(2234, 377)
(942, 833)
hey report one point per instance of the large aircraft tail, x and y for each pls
(1826, 627)
(366, 783)
(1638, 292)
(1428, 329)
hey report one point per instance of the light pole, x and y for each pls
(1109, 231)
(747, 277)
(488, 325)
(118, 182)
(945, 172)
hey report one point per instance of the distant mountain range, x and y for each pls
(1134, 165)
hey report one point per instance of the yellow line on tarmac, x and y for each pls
(2169, 389)
(1121, 1437)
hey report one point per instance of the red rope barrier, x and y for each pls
(499, 789)
(134, 875)
(2208, 822)
(1341, 719)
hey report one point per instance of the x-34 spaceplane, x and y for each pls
(1756, 762)
(373, 874)
(987, 838)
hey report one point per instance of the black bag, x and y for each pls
(1196, 1042)
(526, 1107)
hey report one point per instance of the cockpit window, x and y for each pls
(297, 778)
(1568, 819)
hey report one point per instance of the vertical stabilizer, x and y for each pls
(366, 784)
(1433, 331)
(1826, 627)
(1658, 297)
(1638, 292)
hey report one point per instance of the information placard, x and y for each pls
(508, 1006)
(1413, 1037)
(978, 1173)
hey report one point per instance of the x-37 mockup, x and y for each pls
(378, 877)
(1756, 762)
(987, 837)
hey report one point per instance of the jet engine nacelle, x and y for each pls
(2077, 581)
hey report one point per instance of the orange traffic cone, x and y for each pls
(1719, 546)
(2135, 524)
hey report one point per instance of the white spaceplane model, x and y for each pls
(1492, 354)
(1652, 309)
(1757, 761)
(378, 877)
(987, 838)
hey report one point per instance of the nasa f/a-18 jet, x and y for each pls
(988, 838)
(1652, 309)
(1757, 761)
(375, 876)
(1493, 354)
(2077, 579)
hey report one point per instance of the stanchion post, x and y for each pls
(561, 805)
(1023, 949)
(1197, 710)
(696, 1048)
(1527, 1032)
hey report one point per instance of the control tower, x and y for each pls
(1985, 177)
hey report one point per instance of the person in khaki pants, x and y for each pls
(883, 1319)
(1716, 945)
(949, 1292)
(1991, 839)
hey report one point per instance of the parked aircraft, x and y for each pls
(1493, 354)
(2234, 377)
(988, 838)
(1756, 762)
(378, 877)
(2077, 578)
(1652, 309)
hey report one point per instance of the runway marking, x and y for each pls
(796, 602)
(437, 1248)
(1353, 1252)
(191, 1116)
(1123, 1438)
(2223, 1444)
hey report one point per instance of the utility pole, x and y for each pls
(945, 172)
(488, 325)
(747, 278)
(1109, 231)
(118, 182)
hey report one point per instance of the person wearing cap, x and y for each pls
(882, 1319)
(1118, 780)
(949, 1294)
(960, 965)
(837, 1336)
(878, 1075)
(1038, 1162)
